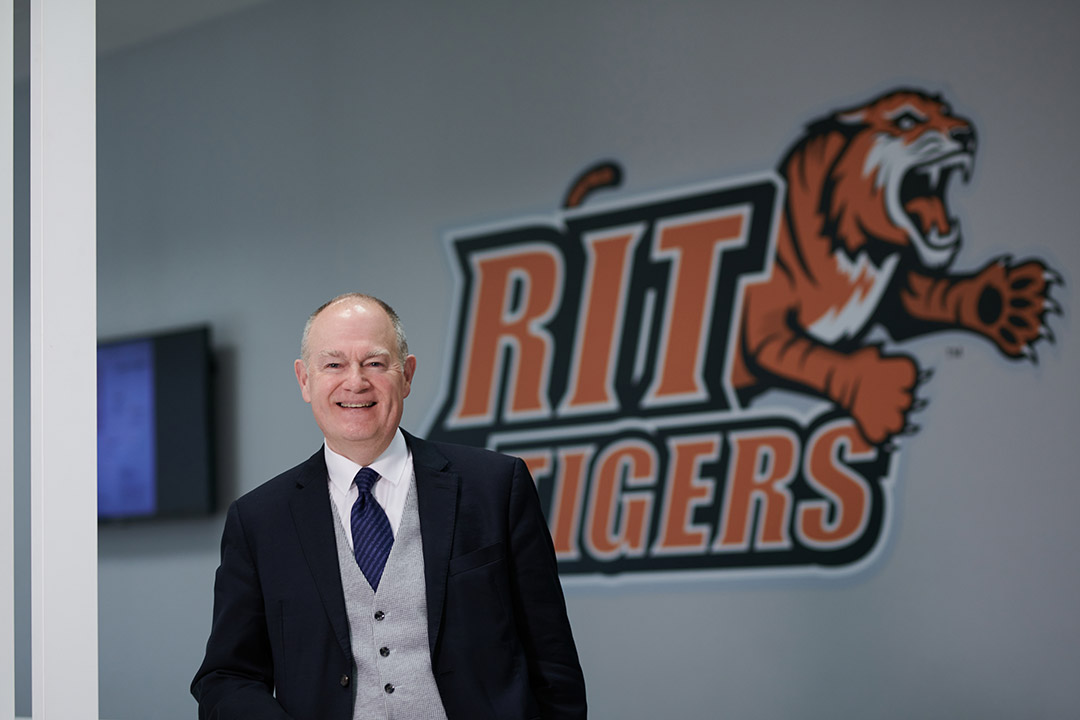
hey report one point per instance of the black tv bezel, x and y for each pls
(185, 438)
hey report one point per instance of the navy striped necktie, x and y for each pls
(371, 534)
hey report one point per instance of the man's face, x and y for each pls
(354, 380)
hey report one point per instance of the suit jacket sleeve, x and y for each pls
(554, 670)
(236, 679)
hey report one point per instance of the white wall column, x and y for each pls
(63, 413)
(7, 361)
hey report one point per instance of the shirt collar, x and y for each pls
(390, 465)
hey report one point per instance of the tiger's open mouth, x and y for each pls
(923, 197)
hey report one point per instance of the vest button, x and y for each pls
(379, 614)
(344, 681)
(389, 688)
(385, 651)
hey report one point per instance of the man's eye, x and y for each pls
(333, 365)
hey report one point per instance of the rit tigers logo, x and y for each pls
(621, 350)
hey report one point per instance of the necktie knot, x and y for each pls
(365, 480)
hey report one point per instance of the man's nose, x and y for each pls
(357, 379)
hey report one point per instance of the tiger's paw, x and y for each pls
(882, 393)
(1011, 305)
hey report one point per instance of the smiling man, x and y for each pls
(355, 371)
(386, 576)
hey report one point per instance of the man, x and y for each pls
(431, 593)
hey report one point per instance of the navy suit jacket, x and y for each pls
(500, 641)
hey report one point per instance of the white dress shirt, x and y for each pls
(395, 470)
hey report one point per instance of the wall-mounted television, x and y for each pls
(155, 426)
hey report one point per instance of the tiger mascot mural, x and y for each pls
(866, 238)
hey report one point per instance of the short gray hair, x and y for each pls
(399, 330)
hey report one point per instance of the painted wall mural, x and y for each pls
(714, 377)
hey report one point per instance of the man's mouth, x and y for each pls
(351, 406)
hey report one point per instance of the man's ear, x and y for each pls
(302, 378)
(408, 370)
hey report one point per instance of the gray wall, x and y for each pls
(251, 168)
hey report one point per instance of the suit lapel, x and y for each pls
(437, 488)
(310, 506)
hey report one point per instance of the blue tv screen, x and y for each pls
(155, 426)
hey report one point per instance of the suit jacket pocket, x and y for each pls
(479, 612)
(477, 558)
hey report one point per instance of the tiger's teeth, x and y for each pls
(935, 176)
(935, 239)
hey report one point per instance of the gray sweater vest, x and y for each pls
(389, 629)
